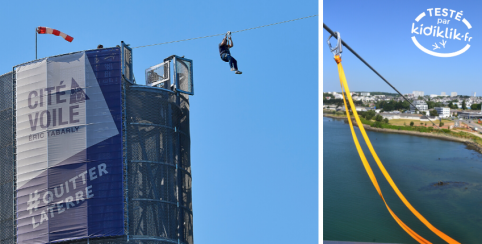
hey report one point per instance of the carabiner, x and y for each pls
(336, 50)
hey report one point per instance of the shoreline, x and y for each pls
(468, 143)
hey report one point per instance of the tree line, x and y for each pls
(392, 105)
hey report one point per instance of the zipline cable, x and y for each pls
(231, 32)
(369, 66)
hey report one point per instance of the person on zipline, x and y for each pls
(224, 47)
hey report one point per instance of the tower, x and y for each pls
(90, 156)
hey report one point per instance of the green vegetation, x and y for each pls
(399, 105)
(325, 95)
(386, 125)
(433, 113)
(475, 106)
(378, 118)
(339, 102)
(446, 132)
(368, 115)
(378, 124)
(452, 106)
(464, 105)
(431, 104)
(392, 105)
(335, 113)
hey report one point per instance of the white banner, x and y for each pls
(61, 111)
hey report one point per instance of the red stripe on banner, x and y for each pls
(55, 32)
(41, 30)
(69, 38)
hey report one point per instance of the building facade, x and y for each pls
(417, 94)
(469, 114)
(443, 112)
(419, 105)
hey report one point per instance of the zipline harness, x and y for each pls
(345, 90)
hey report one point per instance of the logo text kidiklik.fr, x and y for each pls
(442, 27)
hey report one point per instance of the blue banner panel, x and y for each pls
(69, 147)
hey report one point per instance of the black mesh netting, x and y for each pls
(158, 165)
(7, 164)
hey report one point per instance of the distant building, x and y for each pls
(361, 109)
(443, 112)
(469, 115)
(390, 116)
(443, 94)
(418, 94)
(433, 95)
(410, 116)
(330, 107)
(365, 94)
(338, 96)
(453, 94)
(429, 118)
(420, 105)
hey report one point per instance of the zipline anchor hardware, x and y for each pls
(337, 49)
(228, 34)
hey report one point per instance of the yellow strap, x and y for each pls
(370, 173)
(380, 165)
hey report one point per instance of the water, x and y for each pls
(353, 210)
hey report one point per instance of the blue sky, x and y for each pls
(253, 136)
(380, 31)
